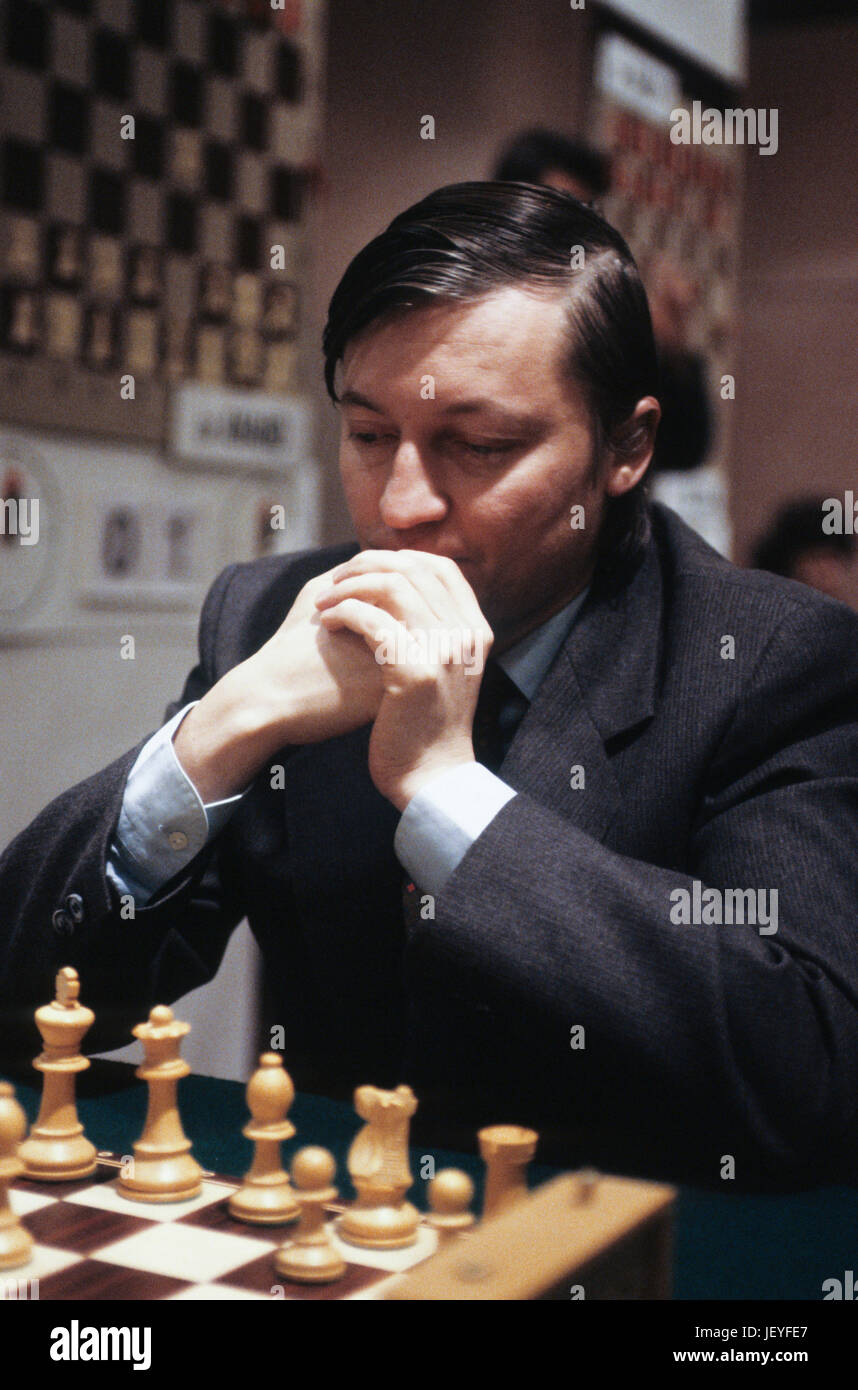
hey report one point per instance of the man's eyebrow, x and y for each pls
(355, 398)
(515, 418)
(512, 418)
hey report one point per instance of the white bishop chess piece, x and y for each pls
(266, 1196)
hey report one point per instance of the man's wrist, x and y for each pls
(424, 776)
(226, 738)
(442, 821)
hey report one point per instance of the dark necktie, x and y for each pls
(500, 709)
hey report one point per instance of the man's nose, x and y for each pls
(411, 495)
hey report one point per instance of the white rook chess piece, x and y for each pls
(16, 1244)
(381, 1219)
(506, 1150)
(266, 1197)
(56, 1149)
(163, 1169)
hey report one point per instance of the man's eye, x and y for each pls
(487, 450)
(364, 436)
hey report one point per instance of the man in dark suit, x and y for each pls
(606, 886)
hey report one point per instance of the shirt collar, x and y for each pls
(528, 661)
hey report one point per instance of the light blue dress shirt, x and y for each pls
(164, 824)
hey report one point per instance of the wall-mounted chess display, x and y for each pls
(677, 205)
(151, 156)
(681, 202)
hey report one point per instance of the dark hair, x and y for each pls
(530, 155)
(470, 239)
(796, 529)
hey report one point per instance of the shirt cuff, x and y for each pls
(163, 823)
(440, 823)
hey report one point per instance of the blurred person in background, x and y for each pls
(546, 156)
(685, 433)
(796, 547)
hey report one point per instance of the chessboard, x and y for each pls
(76, 1223)
(92, 1244)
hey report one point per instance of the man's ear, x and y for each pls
(630, 447)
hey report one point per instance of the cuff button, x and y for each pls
(177, 839)
(74, 904)
(62, 923)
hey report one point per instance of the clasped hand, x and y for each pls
(420, 620)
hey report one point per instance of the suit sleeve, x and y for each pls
(701, 1042)
(61, 908)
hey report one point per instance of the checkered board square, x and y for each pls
(93, 1244)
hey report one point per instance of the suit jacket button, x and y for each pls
(62, 922)
(74, 903)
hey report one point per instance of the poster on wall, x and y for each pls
(144, 555)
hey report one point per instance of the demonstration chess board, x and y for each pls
(92, 1244)
(679, 206)
(149, 251)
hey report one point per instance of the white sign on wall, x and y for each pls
(710, 31)
(244, 431)
(634, 79)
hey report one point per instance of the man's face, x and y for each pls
(460, 437)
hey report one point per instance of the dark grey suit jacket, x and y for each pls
(700, 1040)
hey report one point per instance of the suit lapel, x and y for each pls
(601, 685)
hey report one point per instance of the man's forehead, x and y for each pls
(516, 331)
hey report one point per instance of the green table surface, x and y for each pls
(728, 1245)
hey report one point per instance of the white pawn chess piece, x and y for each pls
(450, 1195)
(56, 1150)
(16, 1244)
(163, 1169)
(22, 330)
(101, 337)
(588, 1183)
(22, 251)
(381, 1219)
(144, 275)
(67, 264)
(311, 1256)
(266, 1196)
